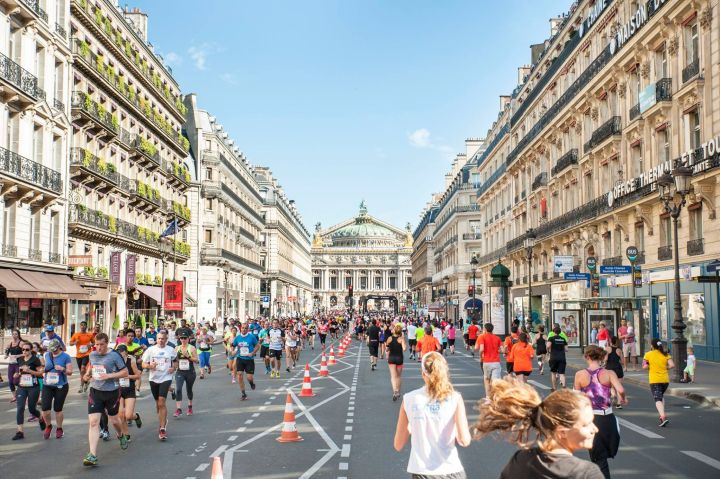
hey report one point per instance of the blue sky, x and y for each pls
(351, 99)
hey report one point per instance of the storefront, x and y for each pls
(93, 310)
(541, 296)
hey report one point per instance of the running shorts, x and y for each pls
(412, 343)
(99, 401)
(264, 351)
(54, 397)
(492, 370)
(81, 362)
(373, 348)
(607, 440)
(245, 365)
(471, 342)
(128, 393)
(275, 353)
(451, 342)
(658, 391)
(557, 365)
(160, 390)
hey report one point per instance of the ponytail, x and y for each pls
(437, 378)
(658, 345)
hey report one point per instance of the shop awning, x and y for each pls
(190, 301)
(473, 304)
(50, 286)
(15, 286)
(152, 292)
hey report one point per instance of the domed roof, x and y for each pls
(363, 229)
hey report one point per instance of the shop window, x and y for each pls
(693, 311)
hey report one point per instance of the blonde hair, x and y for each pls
(516, 408)
(437, 377)
(397, 330)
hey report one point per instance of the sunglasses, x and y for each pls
(183, 339)
(26, 349)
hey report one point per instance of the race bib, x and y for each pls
(161, 364)
(184, 364)
(244, 351)
(124, 382)
(83, 349)
(203, 345)
(151, 341)
(97, 371)
(26, 380)
(52, 378)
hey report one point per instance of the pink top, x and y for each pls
(451, 332)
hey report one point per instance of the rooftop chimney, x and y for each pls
(140, 20)
(523, 72)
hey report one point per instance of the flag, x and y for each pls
(171, 229)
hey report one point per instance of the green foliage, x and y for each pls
(115, 122)
(84, 48)
(158, 280)
(103, 272)
(98, 16)
(102, 166)
(112, 167)
(89, 271)
(113, 224)
(87, 158)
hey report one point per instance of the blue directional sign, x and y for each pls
(577, 276)
(713, 266)
(622, 269)
(265, 299)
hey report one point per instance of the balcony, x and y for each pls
(640, 258)
(19, 79)
(472, 236)
(95, 117)
(126, 186)
(613, 261)
(60, 30)
(32, 254)
(59, 106)
(665, 253)
(146, 197)
(535, 277)
(545, 276)
(695, 247)
(92, 171)
(182, 213)
(663, 92)
(691, 71)
(568, 159)
(211, 189)
(145, 152)
(80, 215)
(31, 10)
(177, 175)
(634, 112)
(212, 255)
(610, 128)
(540, 180)
(29, 174)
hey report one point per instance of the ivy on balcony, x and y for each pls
(181, 210)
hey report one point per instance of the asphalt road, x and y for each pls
(347, 431)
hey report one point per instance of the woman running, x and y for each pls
(615, 362)
(58, 366)
(563, 422)
(30, 370)
(597, 383)
(540, 348)
(12, 353)
(396, 348)
(187, 358)
(451, 332)
(291, 348)
(433, 418)
(523, 354)
(204, 342)
(128, 392)
(230, 352)
(657, 361)
(383, 338)
(322, 332)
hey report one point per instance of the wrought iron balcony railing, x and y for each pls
(99, 167)
(695, 247)
(691, 71)
(34, 5)
(30, 171)
(540, 180)
(613, 261)
(85, 103)
(665, 253)
(568, 159)
(19, 77)
(603, 132)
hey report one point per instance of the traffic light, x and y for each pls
(471, 290)
(350, 290)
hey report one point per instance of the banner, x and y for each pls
(130, 271)
(497, 309)
(115, 267)
(80, 261)
(23, 304)
(563, 264)
(173, 296)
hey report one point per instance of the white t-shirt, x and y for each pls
(411, 331)
(275, 336)
(432, 433)
(163, 358)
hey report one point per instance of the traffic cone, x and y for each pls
(289, 429)
(331, 361)
(306, 390)
(341, 351)
(323, 367)
(217, 470)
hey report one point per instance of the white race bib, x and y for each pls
(151, 341)
(203, 345)
(184, 365)
(26, 380)
(161, 364)
(83, 349)
(52, 378)
(124, 382)
(97, 371)
(244, 351)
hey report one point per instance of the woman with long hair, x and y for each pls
(128, 393)
(13, 352)
(523, 354)
(562, 422)
(615, 362)
(433, 418)
(30, 370)
(658, 361)
(396, 352)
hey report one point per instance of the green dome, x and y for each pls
(363, 229)
(499, 271)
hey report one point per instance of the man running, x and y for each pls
(276, 338)
(161, 360)
(373, 342)
(411, 328)
(489, 346)
(557, 344)
(106, 367)
(472, 332)
(245, 346)
(83, 342)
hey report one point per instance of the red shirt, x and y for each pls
(603, 335)
(491, 347)
(473, 331)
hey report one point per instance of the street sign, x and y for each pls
(265, 299)
(577, 276)
(591, 263)
(595, 289)
(632, 253)
(713, 266)
(563, 264)
(621, 269)
(637, 276)
(708, 279)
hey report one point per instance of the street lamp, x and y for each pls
(669, 185)
(529, 245)
(473, 267)
(446, 281)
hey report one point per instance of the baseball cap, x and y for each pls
(53, 345)
(49, 327)
(121, 348)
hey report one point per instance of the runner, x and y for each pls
(48, 336)
(419, 334)
(428, 343)
(322, 332)
(311, 331)
(29, 372)
(105, 368)
(161, 360)
(373, 342)
(472, 334)
(523, 354)
(489, 346)
(541, 348)
(276, 338)
(291, 348)
(230, 352)
(187, 357)
(615, 362)
(245, 346)
(558, 346)
(58, 366)
(83, 342)
(510, 341)
(128, 393)
(13, 352)
(265, 346)
(204, 345)
(450, 332)
(658, 362)
(396, 348)
(412, 341)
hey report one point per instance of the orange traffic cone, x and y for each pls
(307, 385)
(341, 351)
(289, 429)
(217, 470)
(323, 367)
(331, 361)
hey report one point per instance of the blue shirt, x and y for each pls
(241, 342)
(44, 341)
(143, 342)
(50, 362)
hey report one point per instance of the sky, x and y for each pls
(350, 100)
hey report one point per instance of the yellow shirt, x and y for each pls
(657, 366)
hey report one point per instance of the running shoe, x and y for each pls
(244, 396)
(189, 411)
(287, 369)
(138, 421)
(59, 433)
(233, 380)
(252, 384)
(172, 393)
(123, 442)
(90, 460)
(33, 419)
(81, 389)
(177, 413)
(163, 434)
(664, 421)
(18, 435)
(47, 431)
(105, 435)
(42, 424)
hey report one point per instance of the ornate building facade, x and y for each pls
(366, 253)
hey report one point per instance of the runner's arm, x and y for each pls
(617, 385)
(402, 434)
(462, 431)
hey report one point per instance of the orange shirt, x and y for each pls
(428, 344)
(491, 347)
(522, 356)
(509, 347)
(473, 331)
(83, 341)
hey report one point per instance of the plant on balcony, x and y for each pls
(182, 248)
(114, 120)
(156, 80)
(156, 236)
(110, 71)
(184, 142)
(148, 235)
(141, 190)
(98, 16)
(128, 49)
(103, 272)
(102, 166)
(113, 224)
(147, 147)
(118, 38)
(89, 271)
(155, 193)
(187, 176)
(112, 168)
(89, 104)
(166, 92)
(141, 232)
(84, 48)
(100, 64)
(102, 111)
(87, 158)
(132, 93)
(83, 4)
(158, 280)
(122, 85)
(81, 208)
(144, 66)
(108, 27)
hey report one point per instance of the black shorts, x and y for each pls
(509, 366)
(108, 401)
(471, 342)
(412, 342)
(275, 353)
(245, 365)
(373, 348)
(264, 351)
(322, 338)
(160, 390)
(465, 337)
(658, 391)
(54, 397)
(523, 373)
(557, 365)
(607, 439)
(81, 362)
(128, 393)
(451, 342)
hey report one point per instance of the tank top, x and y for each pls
(395, 352)
(128, 365)
(597, 392)
(540, 344)
(186, 355)
(613, 361)
(432, 433)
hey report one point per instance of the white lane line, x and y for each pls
(350, 414)
(343, 466)
(347, 437)
(640, 430)
(537, 384)
(241, 429)
(267, 403)
(703, 458)
(349, 421)
(219, 451)
(324, 435)
(262, 408)
(348, 428)
(232, 438)
(345, 450)
(272, 398)
(249, 421)
(255, 414)
(351, 408)
(202, 467)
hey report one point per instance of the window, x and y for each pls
(208, 174)
(693, 310)
(663, 146)
(348, 281)
(696, 222)
(208, 204)
(693, 129)
(316, 282)
(55, 232)
(589, 187)
(393, 282)
(35, 230)
(665, 231)
(636, 160)
(640, 236)
(378, 283)
(333, 282)
(9, 226)
(363, 283)
(661, 66)
(38, 145)
(208, 236)
(692, 44)
(607, 244)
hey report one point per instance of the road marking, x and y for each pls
(347, 437)
(345, 450)
(241, 429)
(262, 408)
(349, 421)
(202, 467)
(255, 414)
(351, 408)
(232, 438)
(343, 466)
(538, 385)
(272, 398)
(703, 458)
(219, 450)
(348, 428)
(267, 403)
(640, 430)
(249, 421)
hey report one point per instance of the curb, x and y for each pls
(713, 401)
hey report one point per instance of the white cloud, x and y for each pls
(229, 78)
(420, 138)
(173, 59)
(199, 53)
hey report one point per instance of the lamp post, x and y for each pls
(674, 187)
(446, 281)
(473, 267)
(529, 245)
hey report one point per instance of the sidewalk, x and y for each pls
(705, 390)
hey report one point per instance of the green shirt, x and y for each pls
(562, 335)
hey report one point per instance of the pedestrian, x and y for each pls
(523, 354)
(563, 423)
(128, 392)
(615, 362)
(557, 344)
(12, 353)
(603, 335)
(630, 349)
(161, 360)
(540, 348)
(689, 371)
(597, 384)
(58, 366)
(28, 374)
(593, 333)
(373, 342)
(396, 347)
(187, 357)
(433, 418)
(657, 361)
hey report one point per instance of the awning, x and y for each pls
(49, 286)
(190, 301)
(15, 286)
(436, 307)
(152, 292)
(473, 304)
